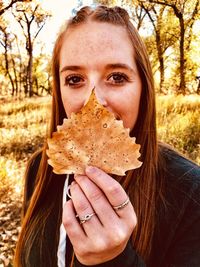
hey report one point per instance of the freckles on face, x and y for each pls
(101, 55)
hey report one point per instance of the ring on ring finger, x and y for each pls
(121, 206)
(86, 218)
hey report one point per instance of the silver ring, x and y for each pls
(86, 218)
(121, 206)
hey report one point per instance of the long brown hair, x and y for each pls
(142, 185)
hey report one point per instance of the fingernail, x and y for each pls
(90, 169)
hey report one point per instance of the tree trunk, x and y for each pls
(7, 66)
(157, 29)
(198, 87)
(30, 63)
(161, 60)
(30, 67)
(26, 89)
(182, 86)
(12, 83)
(162, 75)
(15, 75)
(20, 80)
(36, 84)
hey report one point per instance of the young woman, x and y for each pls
(151, 216)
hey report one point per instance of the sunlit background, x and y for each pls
(25, 101)
(61, 10)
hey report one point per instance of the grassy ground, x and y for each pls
(22, 131)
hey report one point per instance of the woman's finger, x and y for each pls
(87, 216)
(71, 224)
(98, 201)
(113, 191)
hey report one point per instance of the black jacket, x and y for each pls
(176, 240)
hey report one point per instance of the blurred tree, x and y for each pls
(42, 75)
(186, 11)
(11, 66)
(198, 86)
(156, 16)
(193, 63)
(138, 15)
(32, 18)
(139, 10)
(4, 5)
(8, 65)
(18, 58)
(164, 28)
(172, 33)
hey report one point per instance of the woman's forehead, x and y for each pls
(96, 39)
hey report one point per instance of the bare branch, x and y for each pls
(33, 14)
(161, 3)
(2, 44)
(9, 6)
(39, 31)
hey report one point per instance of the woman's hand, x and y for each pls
(105, 235)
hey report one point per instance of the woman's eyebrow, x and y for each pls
(108, 67)
(71, 67)
(121, 66)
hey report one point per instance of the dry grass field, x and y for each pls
(178, 122)
(23, 125)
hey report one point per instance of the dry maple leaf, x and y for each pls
(93, 137)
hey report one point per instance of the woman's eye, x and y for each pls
(118, 78)
(73, 80)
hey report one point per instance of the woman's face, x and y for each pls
(100, 55)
